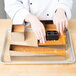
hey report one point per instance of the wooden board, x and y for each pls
(60, 41)
(17, 28)
(39, 50)
(48, 27)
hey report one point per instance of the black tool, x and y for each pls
(52, 35)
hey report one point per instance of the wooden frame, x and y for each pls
(18, 29)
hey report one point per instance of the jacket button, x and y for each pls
(47, 14)
(30, 3)
(21, 2)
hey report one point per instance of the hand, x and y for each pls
(60, 20)
(37, 27)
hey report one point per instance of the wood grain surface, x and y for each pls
(37, 70)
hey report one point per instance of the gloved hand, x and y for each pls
(37, 27)
(60, 20)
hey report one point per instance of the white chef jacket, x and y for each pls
(43, 9)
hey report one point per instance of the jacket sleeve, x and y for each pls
(16, 10)
(66, 5)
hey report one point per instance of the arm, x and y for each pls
(66, 5)
(62, 15)
(37, 27)
(18, 13)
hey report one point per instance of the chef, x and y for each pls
(34, 10)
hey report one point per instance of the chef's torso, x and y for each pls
(43, 9)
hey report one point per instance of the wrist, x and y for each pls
(30, 18)
(60, 10)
